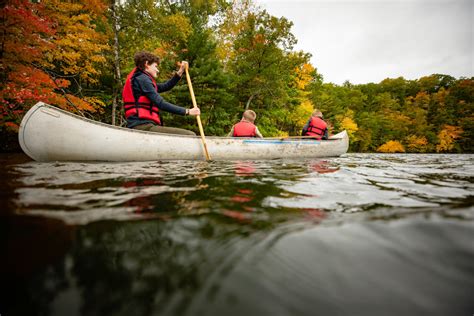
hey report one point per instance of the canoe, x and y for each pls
(48, 133)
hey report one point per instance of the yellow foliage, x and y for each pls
(422, 99)
(304, 75)
(392, 146)
(441, 95)
(234, 22)
(447, 136)
(96, 102)
(178, 25)
(350, 126)
(281, 134)
(399, 119)
(417, 143)
(80, 47)
(303, 112)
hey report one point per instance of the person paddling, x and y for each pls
(316, 126)
(246, 127)
(142, 101)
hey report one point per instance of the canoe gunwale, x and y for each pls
(40, 105)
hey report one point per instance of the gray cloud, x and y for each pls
(367, 41)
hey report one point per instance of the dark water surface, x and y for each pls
(363, 234)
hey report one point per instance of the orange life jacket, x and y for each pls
(142, 108)
(245, 129)
(316, 127)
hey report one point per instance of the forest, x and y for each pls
(76, 55)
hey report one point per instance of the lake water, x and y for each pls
(363, 234)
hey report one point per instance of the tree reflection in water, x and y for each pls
(192, 239)
(237, 238)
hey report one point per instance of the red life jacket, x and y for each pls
(245, 129)
(142, 108)
(316, 127)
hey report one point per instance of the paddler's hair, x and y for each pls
(142, 57)
(249, 115)
(317, 113)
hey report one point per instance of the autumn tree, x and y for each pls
(301, 107)
(79, 50)
(348, 124)
(461, 101)
(447, 137)
(25, 31)
(416, 144)
(260, 66)
(43, 45)
(392, 146)
(210, 81)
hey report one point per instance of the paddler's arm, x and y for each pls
(168, 85)
(148, 89)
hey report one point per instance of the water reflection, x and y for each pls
(261, 238)
(205, 266)
(31, 269)
(245, 168)
(323, 166)
(82, 193)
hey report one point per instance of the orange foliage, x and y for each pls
(258, 39)
(25, 30)
(417, 143)
(447, 137)
(392, 146)
(26, 84)
(36, 36)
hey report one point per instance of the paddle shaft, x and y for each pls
(198, 117)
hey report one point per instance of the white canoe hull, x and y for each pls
(51, 134)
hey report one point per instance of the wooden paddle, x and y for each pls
(198, 117)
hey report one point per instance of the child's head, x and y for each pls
(142, 58)
(249, 115)
(317, 113)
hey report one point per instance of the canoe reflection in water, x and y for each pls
(323, 166)
(141, 203)
(155, 197)
(244, 168)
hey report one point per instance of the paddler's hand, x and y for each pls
(182, 67)
(193, 111)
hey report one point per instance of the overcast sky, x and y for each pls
(369, 40)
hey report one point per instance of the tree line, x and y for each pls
(76, 54)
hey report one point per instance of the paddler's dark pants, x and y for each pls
(162, 129)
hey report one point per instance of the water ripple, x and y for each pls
(249, 191)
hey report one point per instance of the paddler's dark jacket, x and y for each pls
(142, 85)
